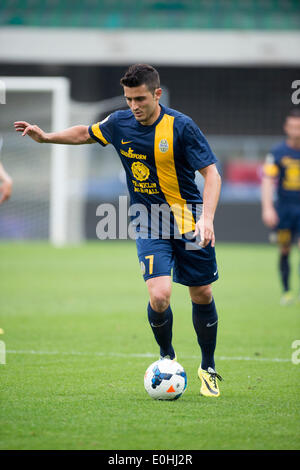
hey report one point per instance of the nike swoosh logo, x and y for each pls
(211, 324)
(158, 326)
(210, 389)
(215, 272)
(127, 142)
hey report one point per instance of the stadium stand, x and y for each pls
(153, 14)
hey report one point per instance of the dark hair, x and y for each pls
(141, 74)
(294, 112)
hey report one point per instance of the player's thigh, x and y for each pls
(194, 266)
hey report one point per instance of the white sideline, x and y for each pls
(115, 354)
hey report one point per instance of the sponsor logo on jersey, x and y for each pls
(130, 154)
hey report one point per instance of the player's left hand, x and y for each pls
(205, 228)
(5, 190)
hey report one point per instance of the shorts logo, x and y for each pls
(163, 145)
(140, 171)
(143, 267)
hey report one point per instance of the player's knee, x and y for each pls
(201, 294)
(160, 300)
(285, 250)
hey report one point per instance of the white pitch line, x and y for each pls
(141, 355)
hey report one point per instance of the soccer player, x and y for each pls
(282, 166)
(161, 149)
(5, 184)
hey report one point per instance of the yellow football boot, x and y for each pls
(209, 385)
(287, 298)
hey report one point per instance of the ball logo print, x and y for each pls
(165, 379)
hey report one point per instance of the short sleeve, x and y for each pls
(270, 167)
(102, 131)
(196, 148)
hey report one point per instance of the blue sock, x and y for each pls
(161, 324)
(205, 321)
(284, 268)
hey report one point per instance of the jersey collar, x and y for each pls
(162, 112)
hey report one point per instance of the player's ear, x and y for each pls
(158, 93)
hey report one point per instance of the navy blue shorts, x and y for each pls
(288, 227)
(191, 264)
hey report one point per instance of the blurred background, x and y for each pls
(228, 64)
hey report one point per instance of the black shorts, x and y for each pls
(191, 264)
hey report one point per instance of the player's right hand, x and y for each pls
(270, 217)
(32, 130)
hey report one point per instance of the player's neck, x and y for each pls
(154, 116)
(293, 143)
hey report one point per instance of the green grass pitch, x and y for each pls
(78, 343)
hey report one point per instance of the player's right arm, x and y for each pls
(75, 135)
(270, 172)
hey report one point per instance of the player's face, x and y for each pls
(143, 103)
(292, 128)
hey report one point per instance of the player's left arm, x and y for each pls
(211, 194)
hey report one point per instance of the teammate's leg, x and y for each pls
(284, 241)
(284, 267)
(160, 315)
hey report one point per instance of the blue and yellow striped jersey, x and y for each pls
(159, 160)
(283, 163)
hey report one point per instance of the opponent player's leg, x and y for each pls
(160, 314)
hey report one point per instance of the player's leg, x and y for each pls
(160, 314)
(205, 321)
(284, 267)
(285, 233)
(156, 260)
(196, 268)
(284, 241)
